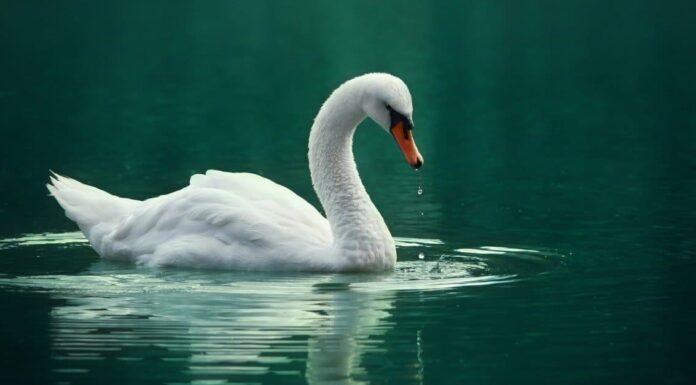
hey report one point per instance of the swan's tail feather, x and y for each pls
(87, 205)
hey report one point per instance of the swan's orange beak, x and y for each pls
(404, 137)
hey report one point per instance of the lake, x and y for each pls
(549, 238)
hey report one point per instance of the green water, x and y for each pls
(557, 222)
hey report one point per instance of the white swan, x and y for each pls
(243, 221)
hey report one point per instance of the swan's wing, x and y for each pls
(221, 220)
(267, 197)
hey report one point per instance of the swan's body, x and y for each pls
(246, 222)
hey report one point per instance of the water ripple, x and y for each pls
(237, 327)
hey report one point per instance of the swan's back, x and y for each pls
(221, 220)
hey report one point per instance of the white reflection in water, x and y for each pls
(217, 325)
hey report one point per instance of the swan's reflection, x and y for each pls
(132, 324)
(334, 352)
(124, 324)
(232, 327)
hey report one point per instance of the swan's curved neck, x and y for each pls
(357, 226)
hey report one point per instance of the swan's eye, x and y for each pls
(398, 118)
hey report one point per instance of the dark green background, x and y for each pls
(555, 125)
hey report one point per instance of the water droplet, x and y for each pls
(420, 190)
(421, 256)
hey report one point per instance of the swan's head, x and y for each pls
(387, 101)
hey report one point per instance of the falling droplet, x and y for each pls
(420, 190)
(421, 256)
